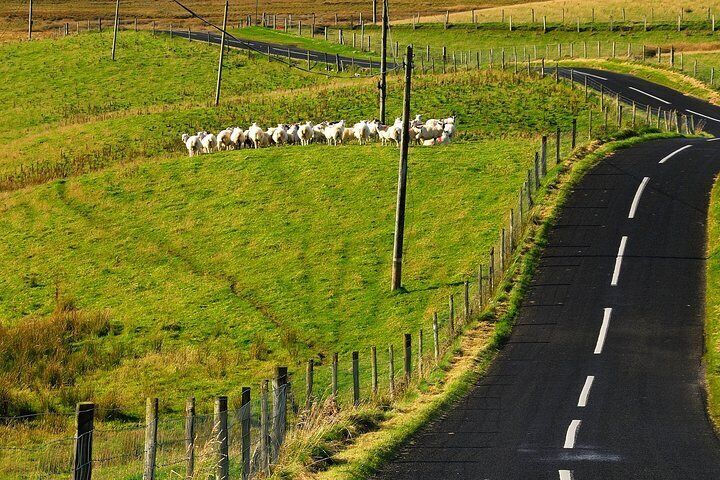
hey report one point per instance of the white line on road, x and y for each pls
(650, 95)
(603, 331)
(638, 194)
(565, 475)
(582, 402)
(589, 75)
(714, 139)
(674, 153)
(704, 116)
(571, 434)
(618, 262)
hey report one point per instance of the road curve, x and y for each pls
(602, 376)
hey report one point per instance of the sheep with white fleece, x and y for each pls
(256, 135)
(237, 137)
(209, 143)
(333, 133)
(361, 130)
(305, 133)
(192, 143)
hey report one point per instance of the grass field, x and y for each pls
(712, 313)
(181, 266)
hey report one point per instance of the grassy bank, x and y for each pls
(712, 312)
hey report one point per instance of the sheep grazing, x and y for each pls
(192, 143)
(319, 131)
(256, 135)
(237, 137)
(334, 133)
(442, 140)
(450, 126)
(390, 134)
(209, 143)
(224, 139)
(362, 132)
(279, 135)
(292, 134)
(373, 127)
(305, 133)
(347, 135)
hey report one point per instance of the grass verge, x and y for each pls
(712, 309)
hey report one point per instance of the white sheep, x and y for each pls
(192, 143)
(292, 134)
(390, 134)
(279, 135)
(305, 133)
(209, 143)
(256, 135)
(361, 131)
(347, 135)
(237, 137)
(373, 126)
(333, 133)
(319, 131)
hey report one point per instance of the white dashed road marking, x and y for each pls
(565, 475)
(651, 96)
(571, 434)
(618, 262)
(582, 401)
(638, 194)
(603, 331)
(704, 116)
(674, 153)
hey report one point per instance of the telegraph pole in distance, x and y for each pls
(117, 25)
(383, 62)
(30, 20)
(374, 12)
(402, 177)
(222, 55)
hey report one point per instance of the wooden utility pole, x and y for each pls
(402, 176)
(117, 25)
(222, 56)
(374, 12)
(30, 20)
(383, 62)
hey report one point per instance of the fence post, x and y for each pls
(264, 427)
(391, 364)
(373, 370)
(334, 381)
(420, 353)
(451, 316)
(491, 272)
(356, 378)
(436, 338)
(574, 134)
(543, 155)
(221, 434)
(557, 148)
(151, 428)
(537, 171)
(190, 438)
(279, 408)
(82, 456)
(245, 416)
(407, 358)
(309, 373)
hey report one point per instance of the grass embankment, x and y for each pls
(712, 312)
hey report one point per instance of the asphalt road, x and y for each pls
(601, 378)
(292, 51)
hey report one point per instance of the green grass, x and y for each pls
(712, 312)
(73, 78)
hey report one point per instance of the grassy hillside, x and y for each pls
(712, 313)
(213, 269)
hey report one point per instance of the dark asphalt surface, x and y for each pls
(645, 414)
(293, 51)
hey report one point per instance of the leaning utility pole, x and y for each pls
(374, 12)
(30, 21)
(383, 62)
(402, 177)
(117, 25)
(222, 55)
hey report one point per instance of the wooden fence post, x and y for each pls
(420, 353)
(574, 133)
(334, 380)
(537, 171)
(391, 364)
(467, 300)
(309, 374)
(356, 378)
(82, 451)
(221, 434)
(436, 338)
(451, 316)
(480, 286)
(245, 416)
(264, 427)
(373, 370)
(557, 147)
(543, 155)
(407, 358)
(151, 429)
(279, 408)
(190, 438)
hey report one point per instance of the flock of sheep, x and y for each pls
(428, 133)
